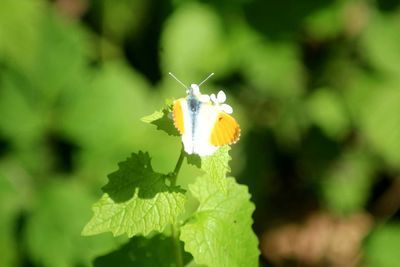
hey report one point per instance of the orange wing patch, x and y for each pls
(177, 115)
(226, 130)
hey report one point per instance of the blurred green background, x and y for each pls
(315, 86)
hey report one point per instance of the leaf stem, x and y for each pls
(177, 168)
(177, 245)
(174, 227)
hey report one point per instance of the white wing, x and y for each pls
(204, 124)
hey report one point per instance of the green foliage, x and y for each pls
(382, 246)
(216, 167)
(315, 89)
(163, 120)
(14, 29)
(282, 57)
(352, 177)
(60, 213)
(328, 112)
(198, 28)
(326, 22)
(219, 232)
(381, 51)
(136, 201)
(385, 138)
(141, 251)
(9, 207)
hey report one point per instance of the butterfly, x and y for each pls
(204, 121)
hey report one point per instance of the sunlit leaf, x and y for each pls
(136, 201)
(163, 120)
(156, 115)
(216, 166)
(219, 232)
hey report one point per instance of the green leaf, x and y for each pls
(347, 184)
(156, 115)
(194, 160)
(326, 22)
(380, 43)
(283, 59)
(102, 117)
(107, 106)
(136, 201)
(9, 208)
(382, 248)
(216, 166)
(211, 54)
(20, 120)
(163, 120)
(141, 251)
(283, 75)
(326, 110)
(378, 124)
(219, 232)
(20, 31)
(121, 17)
(52, 230)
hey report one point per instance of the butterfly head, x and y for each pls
(194, 92)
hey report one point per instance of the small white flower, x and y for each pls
(219, 100)
(204, 98)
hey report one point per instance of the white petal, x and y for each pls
(221, 97)
(213, 98)
(204, 98)
(226, 108)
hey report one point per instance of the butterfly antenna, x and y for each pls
(206, 78)
(173, 76)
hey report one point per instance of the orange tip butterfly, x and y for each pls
(204, 121)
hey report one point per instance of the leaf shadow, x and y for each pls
(166, 124)
(136, 177)
(193, 159)
(140, 251)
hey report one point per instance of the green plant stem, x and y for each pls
(177, 168)
(174, 227)
(177, 245)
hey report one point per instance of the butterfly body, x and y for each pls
(203, 125)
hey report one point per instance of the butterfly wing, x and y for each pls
(183, 123)
(204, 123)
(178, 115)
(203, 132)
(226, 130)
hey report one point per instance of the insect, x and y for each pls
(204, 121)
